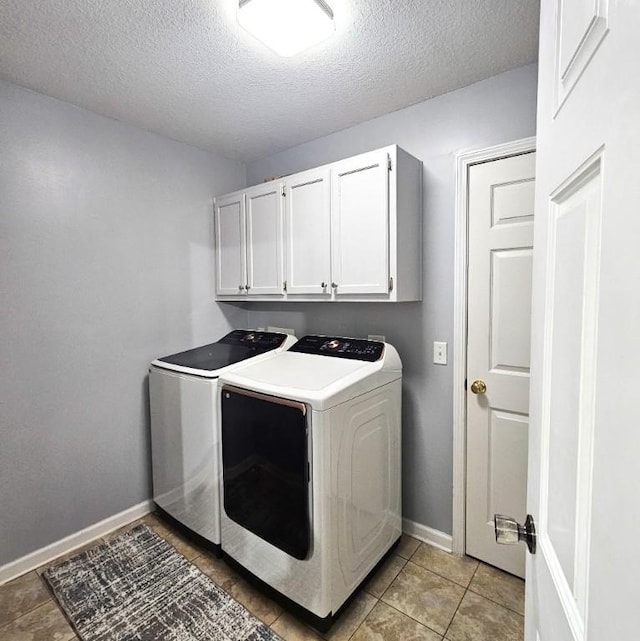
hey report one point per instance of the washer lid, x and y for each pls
(235, 347)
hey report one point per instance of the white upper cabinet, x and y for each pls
(264, 239)
(352, 231)
(360, 225)
(248, 242)
(231, 275)
(307, 232)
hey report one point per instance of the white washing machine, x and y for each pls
(312, 469)
(184, 434)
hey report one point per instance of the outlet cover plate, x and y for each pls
(281, 330)
(439, 353)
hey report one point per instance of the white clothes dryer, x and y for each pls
(311, 468)
(184, 433)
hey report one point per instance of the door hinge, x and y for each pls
(389, 165)
(284, 192)
(284, 286)
(465, 384)
(391, 283)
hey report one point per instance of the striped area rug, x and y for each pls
(137, 587)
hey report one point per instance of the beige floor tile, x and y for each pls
(348, 622)
(479, 619)
(151, 519)
(45, 623)
(459, 569)
(384, 577)
(253, 599)
(21, 595)
(185, 546)
(387, 624)
(503, 588)
(407, 546)
(216, 569)
(291, 629)
(424, 596)
(419, 598)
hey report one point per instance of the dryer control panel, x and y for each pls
(339, 347)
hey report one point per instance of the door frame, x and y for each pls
(464, 161)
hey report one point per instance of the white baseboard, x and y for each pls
(69, 543)
(428, 535)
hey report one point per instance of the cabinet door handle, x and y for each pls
(323, 285)
(247, 287)
(334, 285)
(241, 287)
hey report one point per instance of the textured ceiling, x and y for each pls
(185, 69)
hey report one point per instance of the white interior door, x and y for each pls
(501, 207)
(582, 583)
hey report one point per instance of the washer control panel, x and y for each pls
(338, 347)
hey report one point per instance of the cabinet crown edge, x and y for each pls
(392, 150)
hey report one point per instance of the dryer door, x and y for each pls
(265, 463)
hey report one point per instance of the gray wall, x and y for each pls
(496, 110)
(105, 263)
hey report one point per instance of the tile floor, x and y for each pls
(420, 594)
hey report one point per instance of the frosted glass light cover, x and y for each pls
(286, 26)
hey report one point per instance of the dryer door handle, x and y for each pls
(276, 400)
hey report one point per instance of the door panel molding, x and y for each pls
(511, 269)
(516, 427)
(580, 29)
(464, 160)
(502, 194)
(579, 197)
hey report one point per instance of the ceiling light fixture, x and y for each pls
(287, 26)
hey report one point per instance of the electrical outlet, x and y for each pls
(376, 337)
(439, 353)
(281, 330)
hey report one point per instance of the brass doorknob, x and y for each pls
(478, 387)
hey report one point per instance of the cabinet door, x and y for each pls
(231, 276)
(264, 239)
(307, 216)
(360, 224)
